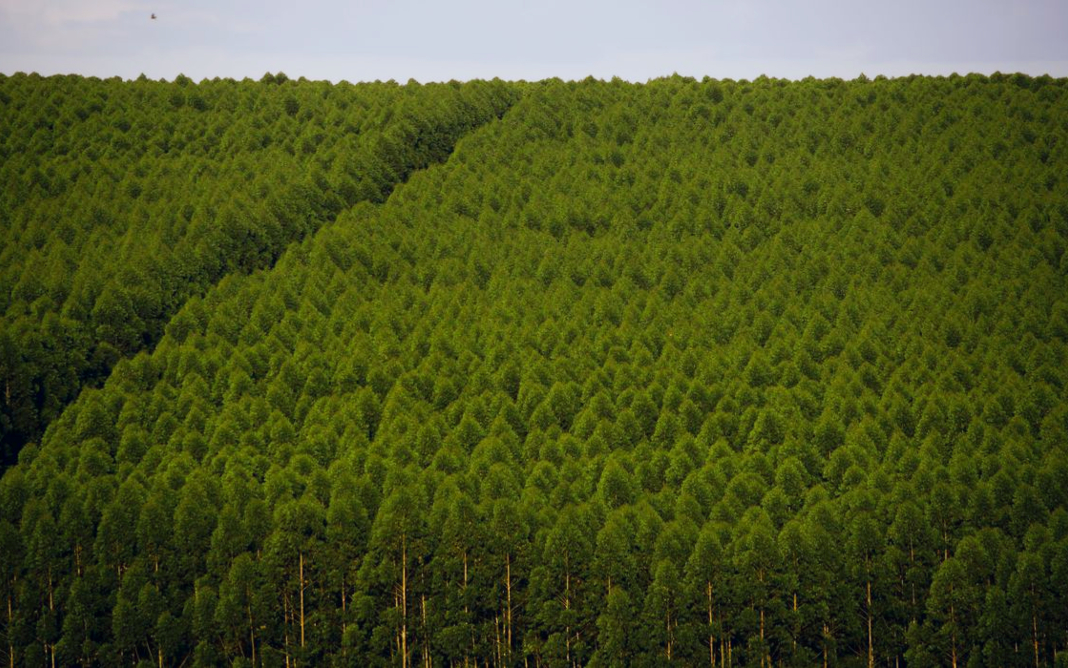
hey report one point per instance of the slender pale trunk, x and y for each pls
(567, 606)
(912, 585)
(765, 658)
(497, 634)
(826, 634)
(953, 636)
(51, 608)
(302, 599)
(404, 601)
(467, 612)
(668, 629)
(763, 652)
(871, 653)
(724, 641)
(426, 633)
(945, 541)
(10, 623)
(797, 625)
(711, 637)
(1034, 634)
(508, 590)
(395, 650)
(285, 623)
(251, 624)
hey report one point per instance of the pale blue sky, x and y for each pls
(433, 41)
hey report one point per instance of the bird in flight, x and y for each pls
(153, 17)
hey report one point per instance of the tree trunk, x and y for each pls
(668, 630)
(404, 601)
(945, 541)
(1034, 633)
(711, 622)
(797, 627)
(497, 635)
(765, 656)
(724, 641)
(467, 612)
(302, 599)
(763, 651)
(871, 653)
(10, 624)
(396, 647)
(426, 633)
(51, 608)
(251, 625)
(826, 631)
(567, 606)
(953, 636)
(285, 622)
(508, 590)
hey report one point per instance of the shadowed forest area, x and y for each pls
(727, 373)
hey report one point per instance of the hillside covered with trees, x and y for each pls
(123, 199)
(728, 373)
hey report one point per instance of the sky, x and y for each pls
(367, 40)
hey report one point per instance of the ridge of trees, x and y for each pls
(685, 373)
(123, 199)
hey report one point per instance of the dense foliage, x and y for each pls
(733, 373)
(123, 199)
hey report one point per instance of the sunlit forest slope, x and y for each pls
(122, 199)
(685, 373)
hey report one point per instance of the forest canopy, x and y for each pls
(124, 199)
(733, 373)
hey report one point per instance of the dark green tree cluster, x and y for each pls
(685, 373)
(123, 199)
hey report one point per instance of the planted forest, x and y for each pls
(122, 200)
(725, 373)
